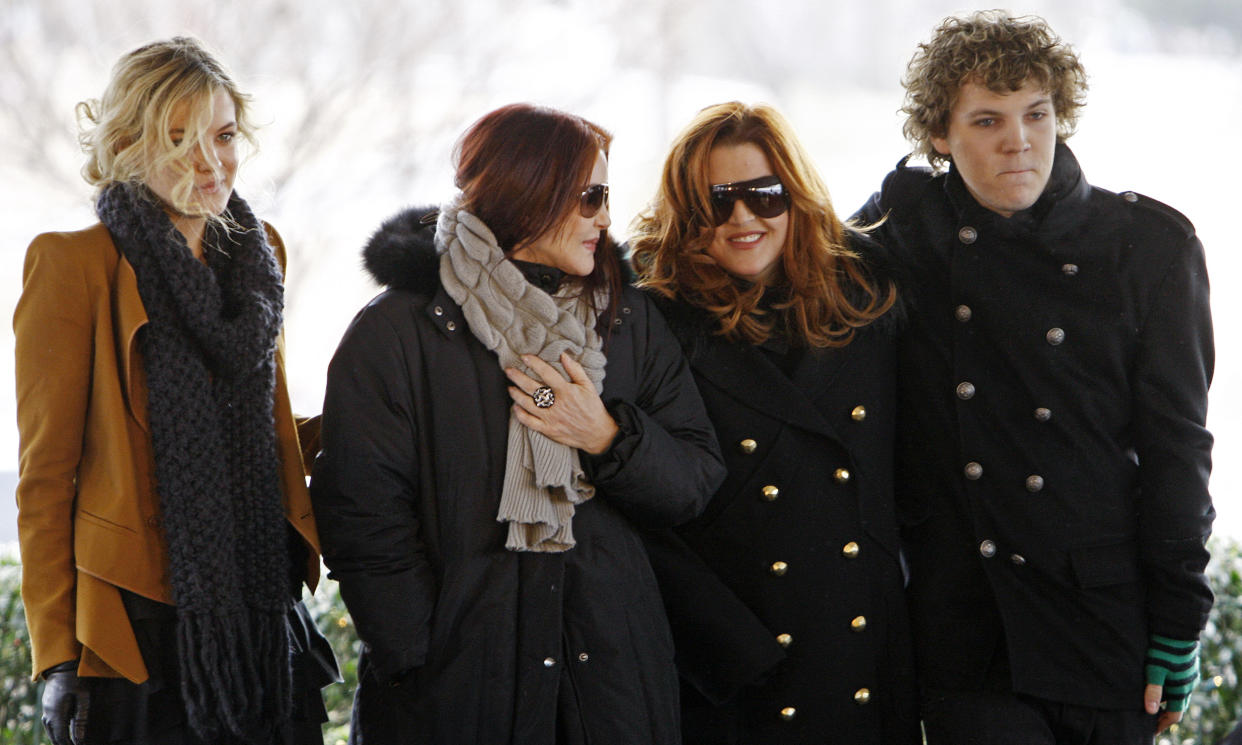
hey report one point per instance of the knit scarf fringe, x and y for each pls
(543, 479)
(209, 356)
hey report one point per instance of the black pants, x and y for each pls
(999, 718)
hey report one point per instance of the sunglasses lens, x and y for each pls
(766, 200)
(593, 198)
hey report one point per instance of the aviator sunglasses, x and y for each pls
(593, 197)
(764, 196)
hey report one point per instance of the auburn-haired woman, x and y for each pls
(785, 596)
(496, 425)
(163, 516)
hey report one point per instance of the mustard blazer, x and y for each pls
(88, 513)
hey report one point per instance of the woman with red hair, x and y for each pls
(496, 425)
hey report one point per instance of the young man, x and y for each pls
(1054, 376)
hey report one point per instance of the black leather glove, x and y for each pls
(66, 704)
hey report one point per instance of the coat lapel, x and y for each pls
(754, 382)
(130, 316)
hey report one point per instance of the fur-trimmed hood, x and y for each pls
(401, 254)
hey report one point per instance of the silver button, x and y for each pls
(1043, 415)
(1055, 336)
(987, 549)
(967, 235)
(584, 657)
(1069, 270)
(1034, 483)
(973, 471)
(451, 326)
(626, 310)
(549, 661)
(1130, 197)
(966, 390)
(439, 311)
(1018, 559)
(963, 313)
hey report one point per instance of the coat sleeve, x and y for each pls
(364, 489)
(1171, 374)
(721, 645)
(665, 463)
(53, 328)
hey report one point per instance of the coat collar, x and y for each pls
(1056, 211)
(746, 375)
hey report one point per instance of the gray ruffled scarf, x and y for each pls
(544, 479)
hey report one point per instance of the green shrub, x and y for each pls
(19, 697)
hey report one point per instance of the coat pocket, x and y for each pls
(1105, 564)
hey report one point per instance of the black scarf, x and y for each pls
(209, 354)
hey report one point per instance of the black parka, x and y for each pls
(1054, 463)
(465, 641)
(786, 596)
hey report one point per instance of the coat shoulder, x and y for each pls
(1144, 207)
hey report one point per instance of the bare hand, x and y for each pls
(577, 419)
(1151, 701)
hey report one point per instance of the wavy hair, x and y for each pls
(829, 294)
(125, 133)
(995, 50)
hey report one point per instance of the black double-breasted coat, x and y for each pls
(785, 596)
(465, 641)
(1053, 471)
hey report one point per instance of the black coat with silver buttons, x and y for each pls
(466, 642)
(1053, 468)
(785, 597)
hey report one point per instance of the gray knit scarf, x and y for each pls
(209, 356)
(512, 317)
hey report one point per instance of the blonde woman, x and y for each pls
(164, 522)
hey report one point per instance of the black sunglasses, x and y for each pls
(594, 197)
(764, 196)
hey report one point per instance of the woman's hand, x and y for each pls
(577, 418)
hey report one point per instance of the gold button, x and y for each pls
(784, 640)
(850, 550)
(770, 493)
(788, 713)
(841, 475)
(779, 568)
(748, 446)
(859, 623)
(859, 413)
(862, 696)
(439, 311)
(451, 326)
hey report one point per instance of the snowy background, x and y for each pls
(360, 103)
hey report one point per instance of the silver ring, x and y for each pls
(544, 397)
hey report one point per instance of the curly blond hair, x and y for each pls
(829, 293)
(995, 50)
(125, 132)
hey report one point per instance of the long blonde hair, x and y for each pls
(830, 294)
(125, 133)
